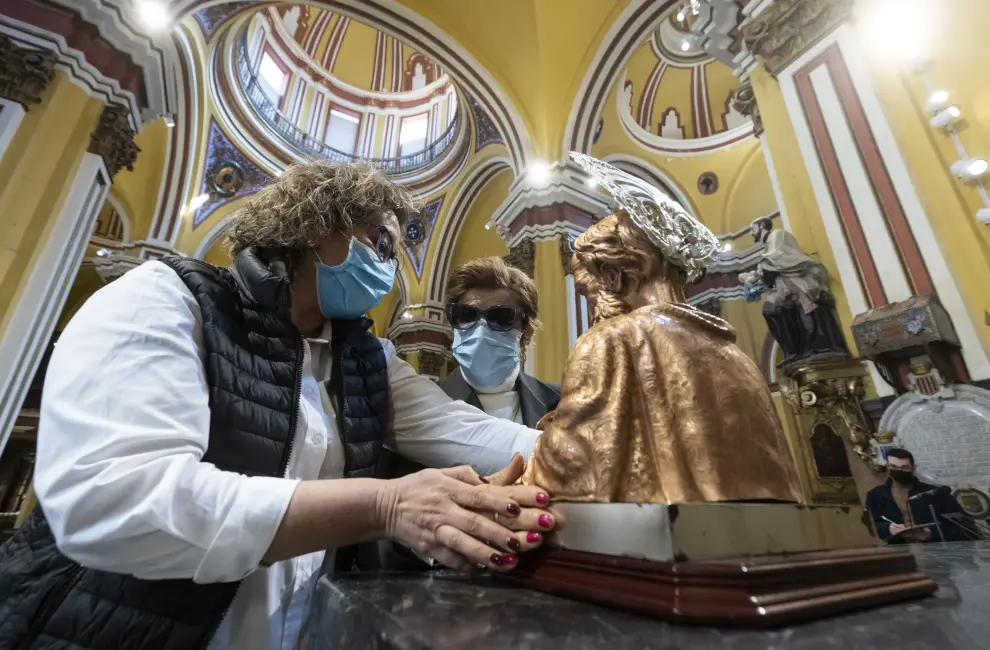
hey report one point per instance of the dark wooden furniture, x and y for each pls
(757, 592)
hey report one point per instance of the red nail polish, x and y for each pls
(533, 537)
(510, 560)
(546, 521)
(497, 559)
(512, 509)
(513, 544)
(542, 498)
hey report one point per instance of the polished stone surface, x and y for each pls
(447, 612)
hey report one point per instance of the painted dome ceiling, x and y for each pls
(674, 90)
(354, 53)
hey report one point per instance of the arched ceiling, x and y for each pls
(355, 53)
(677, 91)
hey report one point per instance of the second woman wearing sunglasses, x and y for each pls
(493, 309)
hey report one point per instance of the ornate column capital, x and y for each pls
(113, 140)
(24, 72)
(523, 257)
(787, 28)
(744, 101)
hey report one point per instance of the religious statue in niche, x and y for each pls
(799, 309)
(654, 393)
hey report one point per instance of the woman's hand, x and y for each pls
(535, 521)
(449, 514)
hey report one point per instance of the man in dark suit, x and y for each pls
(902, 506)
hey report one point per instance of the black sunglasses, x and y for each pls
(498, 318)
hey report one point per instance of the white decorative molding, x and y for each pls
(118, 24)
(327, 83)
(125, 218)
(74, 64)
(448, 229)
(393, 18)
(567, 184)
(614, 51)
(675, 147)
(647, 171)
(32, 322)
(11, 114)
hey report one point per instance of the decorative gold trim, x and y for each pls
(788, 28)
(113, 140)
(24, 72)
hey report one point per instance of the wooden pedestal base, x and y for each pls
(766, 591)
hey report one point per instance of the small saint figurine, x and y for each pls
(799, 309)
(658, 404)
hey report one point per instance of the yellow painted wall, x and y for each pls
(138, 190)
(744, 184)
(538, 51)
(35, 176)
(356, 59)
(955, 47)
(474, 240)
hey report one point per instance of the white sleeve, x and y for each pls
(432, 429)
(125, 421)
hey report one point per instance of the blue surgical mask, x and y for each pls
(487, 357)
(352, 288)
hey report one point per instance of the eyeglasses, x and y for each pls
(385, 246)
(498, 318)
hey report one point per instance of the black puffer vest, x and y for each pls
(49, 602)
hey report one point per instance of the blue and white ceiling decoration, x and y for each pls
(229, 174)
(419, 229)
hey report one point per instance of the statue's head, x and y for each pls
(651, 246)
(614, 261)
(760, 229)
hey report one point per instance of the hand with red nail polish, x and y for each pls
(454, 517)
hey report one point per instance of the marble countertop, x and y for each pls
(444, 611)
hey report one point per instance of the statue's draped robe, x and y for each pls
(660, 405)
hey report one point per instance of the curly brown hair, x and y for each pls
(494, 273)
(310, 202)
(616, 241)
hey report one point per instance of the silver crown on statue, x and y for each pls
(684, 240)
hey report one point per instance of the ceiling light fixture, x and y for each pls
(153, 14)
(539, 173)
(685, 45)
(591, 183)
(680, 16)
(971, 170)
(946, 118)
(937, 101)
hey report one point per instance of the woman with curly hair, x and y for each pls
(209, 438)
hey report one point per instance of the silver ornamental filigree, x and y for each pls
(684, 240)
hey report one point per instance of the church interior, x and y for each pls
(850, 137)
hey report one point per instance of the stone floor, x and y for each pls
(447, 612)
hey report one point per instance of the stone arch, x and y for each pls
(626, 33)
(474, 182)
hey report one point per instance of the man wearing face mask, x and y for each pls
(493, 310)
(903, 505)
(209, 439)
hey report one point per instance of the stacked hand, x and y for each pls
(461, 520)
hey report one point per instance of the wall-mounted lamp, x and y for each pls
(946, 117)
(971, 170)
(938, 101)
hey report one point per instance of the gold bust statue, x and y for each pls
(658, 403)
